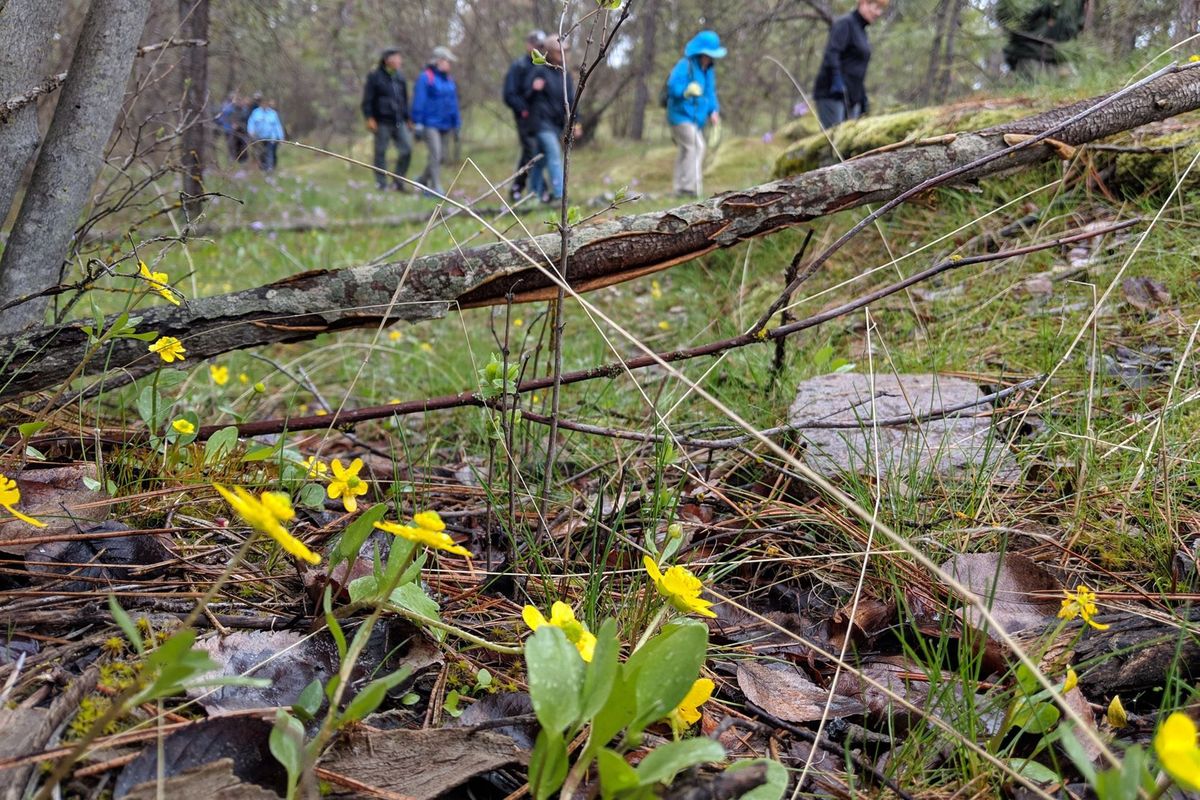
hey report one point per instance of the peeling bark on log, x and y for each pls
(320, 301)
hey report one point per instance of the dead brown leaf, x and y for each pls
(1009, 585)
(1145, 294)
(786, 692)
(58, 497)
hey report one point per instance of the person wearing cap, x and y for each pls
(385, 108)
(692, 105)
(435, 112)
(514, 97)
(840, 89)
(549, 94)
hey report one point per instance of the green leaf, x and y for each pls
(27, 429)
(312, 495)
(335, 628)
(287, 745)
(616, 714)
(601, 673)
(665, 761)
(309, 701)
(169, 378)
(1123, 782)
(537, 57)
(364, 588)
(366, 701)
(352, 538)
(1069, 740)
(548, 762)
(150, 407)
(412, 597)
(667, 666)
(1038, 773)
(1027, 682)
(262, 452)
(451, 704)
(483, 679)
(555, 675)
(615, 773)
(1035, 716)
(777, 779)
(126, 624)
(220, 444)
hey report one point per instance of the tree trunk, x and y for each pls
(935, 53)
(943, 87)
(71, 158)
(321, 301)
(193, 24)
(25, 30)
(641, 92)
(1189, 16)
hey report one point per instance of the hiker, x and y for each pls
(514, 97)
(1035, 29)
(239, 141)
(691, 101)
(224, 121)
(435, 113)
(385, 108)
(840, 89)
(265, 126)
(549, 92)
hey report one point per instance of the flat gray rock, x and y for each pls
(833, 415)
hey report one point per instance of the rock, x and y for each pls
(832, 414)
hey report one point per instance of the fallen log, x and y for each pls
(321, 301)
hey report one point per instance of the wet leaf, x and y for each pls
(1009, 585)
(787, 693)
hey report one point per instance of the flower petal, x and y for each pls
(533, 618)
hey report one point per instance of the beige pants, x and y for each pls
(689, 163)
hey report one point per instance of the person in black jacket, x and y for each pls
(385, 107)
(840, 90)
(514, 98)
(548, 92)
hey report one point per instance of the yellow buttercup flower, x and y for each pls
(158, 281)
(656, 290)
(183, 426)
(1081, 603)
(346, 484)
(563, 617)
(518, 322)
(1115, 714)
(316, 468)
(219, 374)
(267, 513)
(168, 348)
(10, 495)
(680, 587)
(426, 347)
(395, 336)
(1175, 744)
(429, 530)
(663, 325)
(687, 713)
(1071, 681)
(243, 377)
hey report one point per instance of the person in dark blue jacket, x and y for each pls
(385, 108)
(840, 89)
(691, 105)
(514, 97)
(549, 94)
(435, 112)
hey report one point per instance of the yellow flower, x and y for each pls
(428, 530)
(1071, 681)
(346, 484)
(1081, 603)
(664, 325)
(1193, 58)
(680, 587)
(183, 426)
(687, 713)
(158, 282)
(1178, 754)
(426, 347)
(655, 290)
(10, 495)
(320, 412)
(168, 348)
(395, 336)
(219, 374)
(563, 618)
(1116, 715)
(243, 377)
(316, 468)
(518, 322)
(267, 513)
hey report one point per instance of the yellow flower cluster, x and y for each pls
(267, 513)
(1081, 603)
(562, 616)
(427, 529)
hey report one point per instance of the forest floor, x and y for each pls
(836, 649)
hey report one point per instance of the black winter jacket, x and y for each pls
(514, 85)
(847, 54)
(547, 108)
(385, 96)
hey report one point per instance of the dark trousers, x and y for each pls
(527, 138)
(266, 155)
(384, 134)
(833, 112)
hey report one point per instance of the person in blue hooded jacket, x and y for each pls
(435, 112)
(265, 127)
(691, 105)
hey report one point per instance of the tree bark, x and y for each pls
(71, 157)
(952, 26)
(193, 24)
(935, 52)
(641, 91)
(1189, 17)
(303, 306)
(25, 30)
